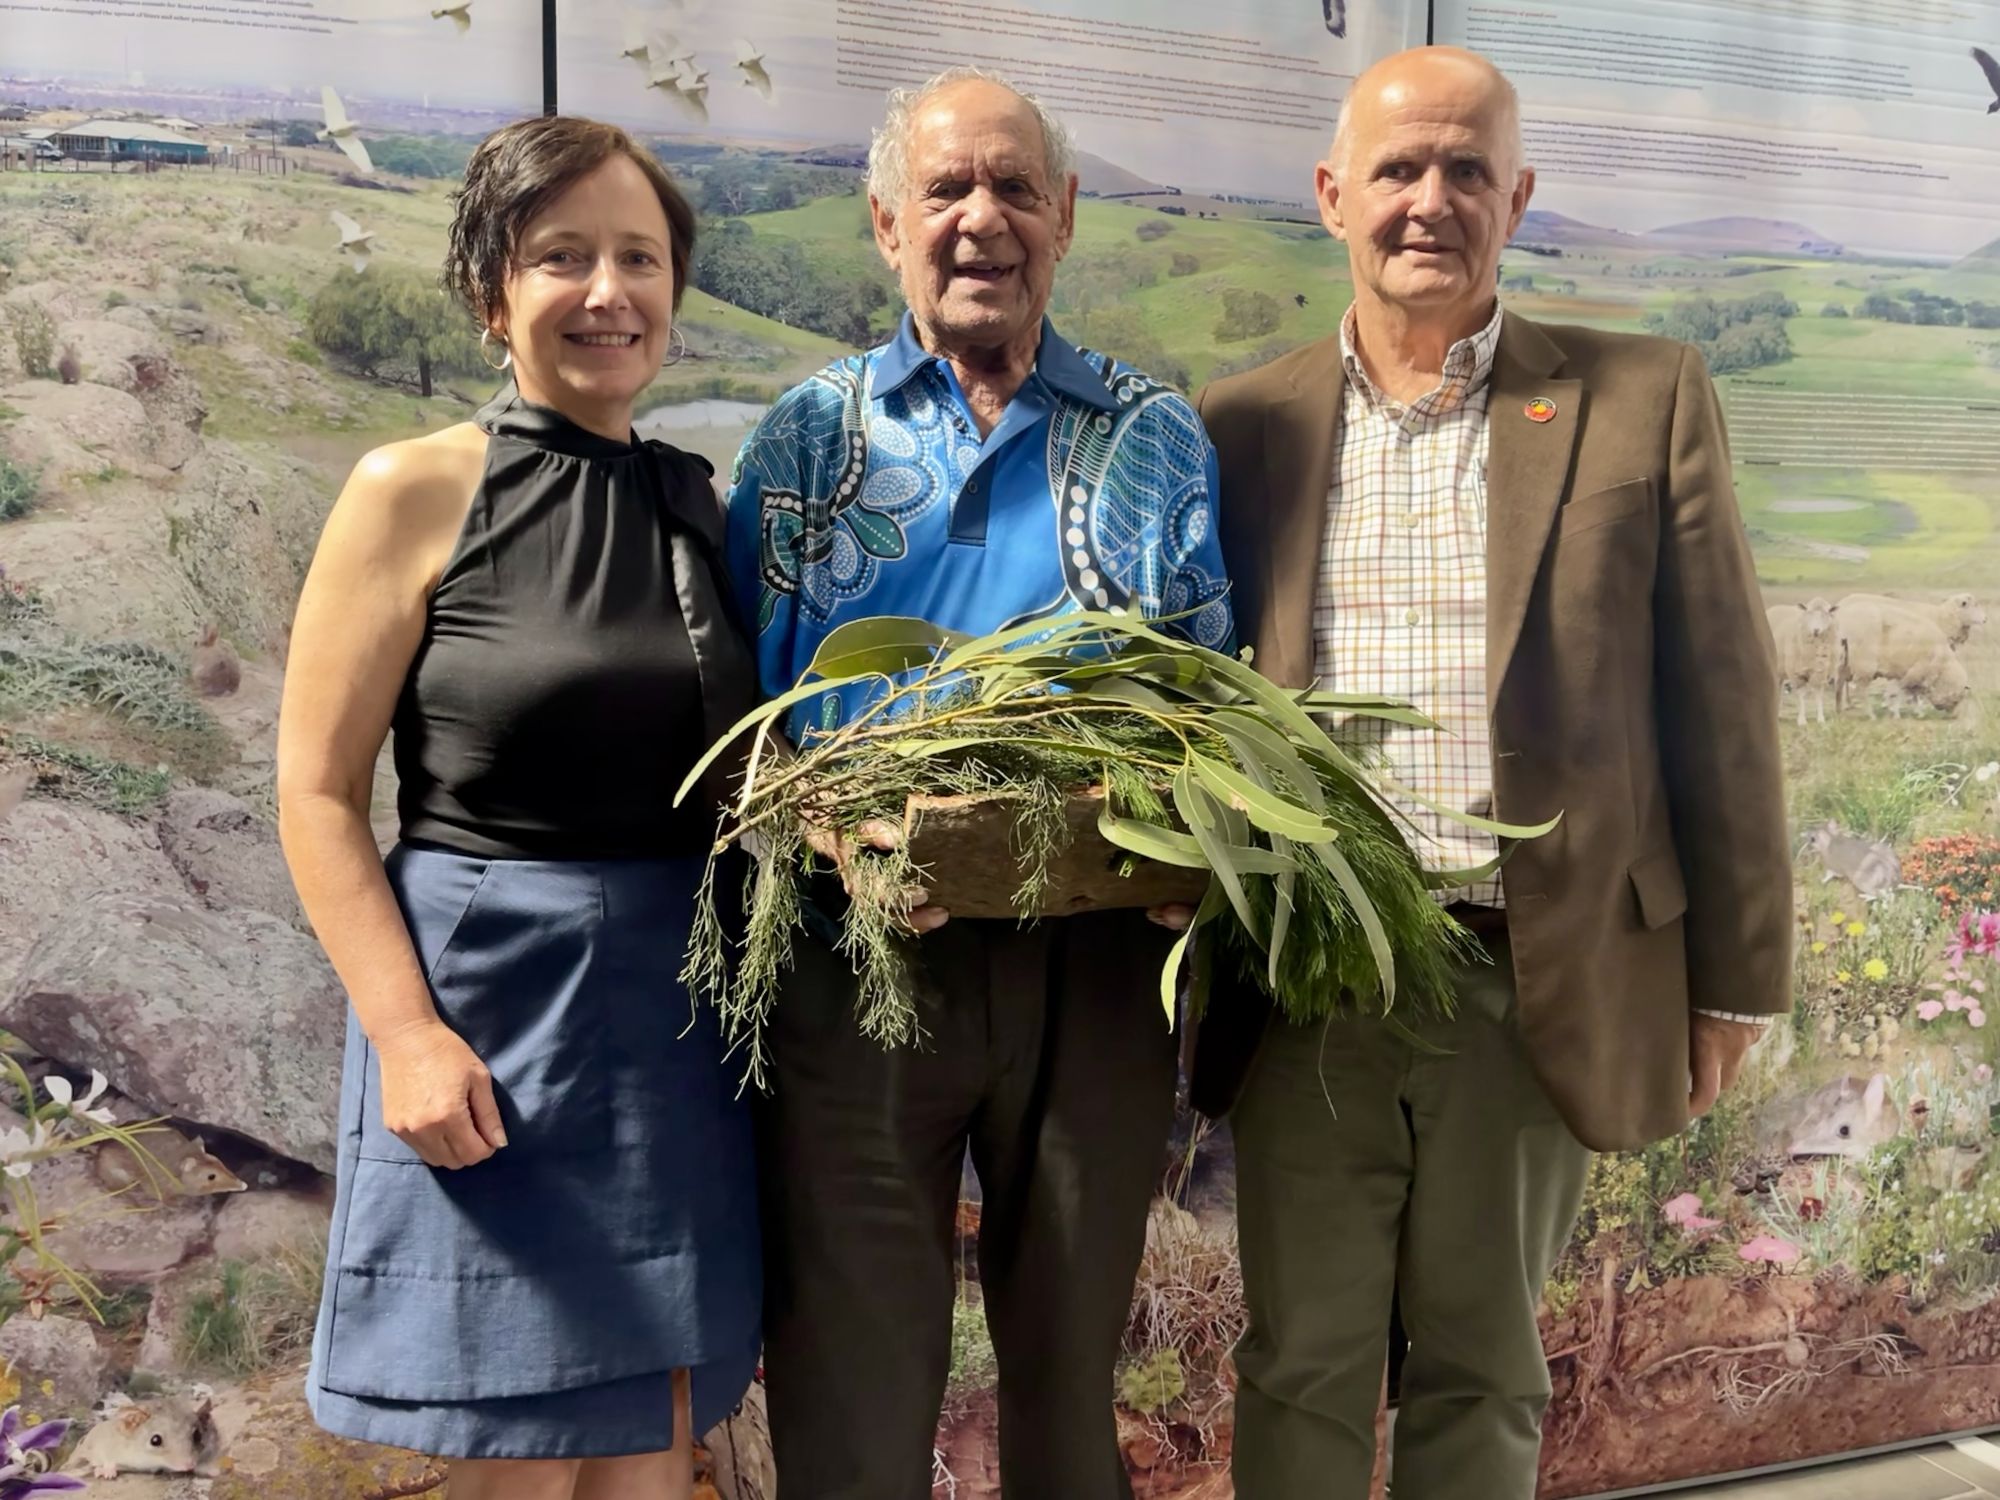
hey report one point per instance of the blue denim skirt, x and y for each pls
(537, 1304)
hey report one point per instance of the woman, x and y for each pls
(544, 1257)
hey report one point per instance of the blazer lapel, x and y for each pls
(1527, 469)
(1299, 432)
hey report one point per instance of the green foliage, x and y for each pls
(1319, 895)
(738, 184)
(1863, 800)
(115, 298)
(256, 1316)
(20, 489)
(1154, 229)
(1183, 264)
(303, 353)
(392, 321)
(1150, 1386)
(974, 1365)
(1246, 315)
(1834, 310)
(779, 278)
(34, 333)
(1743, 334)
(441, 156)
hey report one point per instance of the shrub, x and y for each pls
(256, 1316)
(1154, 229)
(34, 340)
(1963, 868)
(1184, 264)
(1246, 315)
(1834, 310)
(19, 489)
(115, 298)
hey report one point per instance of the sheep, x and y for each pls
(1887, 643)
(1955, 616)
(1808, 648)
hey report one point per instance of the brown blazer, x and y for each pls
(1631, 688)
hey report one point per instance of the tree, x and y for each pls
(731, 186)
(1246, 315)
(1834, 310)
(393, 318)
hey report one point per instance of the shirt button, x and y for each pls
(1411, 518)
(1414, 616)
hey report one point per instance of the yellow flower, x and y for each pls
(1855, 929)
(1843, 976)
(1839, 917)
(1819, 947)
(1876, 970)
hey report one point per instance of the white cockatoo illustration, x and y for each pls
(461, 15)
(355, 241)
(750, 63)
(342, 131)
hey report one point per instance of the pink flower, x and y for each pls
(1770, 1249)
(1953, 1000)
(1975, 1017)
(1930, 1010)
(1983, 1073)
(1686, 1212)
(1979, 985)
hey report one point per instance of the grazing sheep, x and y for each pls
(1884, 642)
(1808, 648)
(1955, 616)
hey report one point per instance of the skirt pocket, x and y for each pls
(512, 949)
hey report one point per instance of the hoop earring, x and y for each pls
(506, 354)
(677, 348)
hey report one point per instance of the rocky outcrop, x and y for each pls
(229, 1019)
(228, 855)
(56, 1358)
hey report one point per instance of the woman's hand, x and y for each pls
(437, 1096)
(919, 915)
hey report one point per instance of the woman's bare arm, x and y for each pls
(360, 619)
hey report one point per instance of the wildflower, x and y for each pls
(1876, 970)
(1686, 1212)
(60, 1090)
(1812, 1210)
(1769, 1249)
(18, 1148)
(1987, 772)
(1819, 947)
(1953, 1000)
(25, 1455)
(1843, 976)
(1983, 1073)
(1930, 1010)
(1855, 929)
(1838, 917)
(1975, 1017)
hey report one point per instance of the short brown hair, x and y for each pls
(514, 174)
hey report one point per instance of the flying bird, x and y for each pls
(342, 131)
(688, 92)
(1992, 71)
(354, 240)
(460, 14)
(750, 62)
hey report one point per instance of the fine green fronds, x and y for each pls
(1314, 892)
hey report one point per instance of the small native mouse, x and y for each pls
(162, 1435)
(182, 1166)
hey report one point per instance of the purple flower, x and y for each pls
(20, 1475)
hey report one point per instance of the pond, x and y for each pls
(714, 428)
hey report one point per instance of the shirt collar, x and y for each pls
(1468, 365)
(1058, 365)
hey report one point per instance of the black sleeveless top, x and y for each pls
(556, 701)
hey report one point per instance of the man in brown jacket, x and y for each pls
(1530, 532)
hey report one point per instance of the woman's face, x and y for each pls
(589, 297)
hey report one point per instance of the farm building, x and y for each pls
(116, 140)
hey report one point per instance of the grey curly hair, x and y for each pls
(889, 149)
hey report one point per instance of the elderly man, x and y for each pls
(976, 472)
(1530, 533)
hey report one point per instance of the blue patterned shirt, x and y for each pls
(868, 491)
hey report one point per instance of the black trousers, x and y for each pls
(1048, 1053)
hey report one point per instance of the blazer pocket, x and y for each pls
(1602, 507)
(1656, 881)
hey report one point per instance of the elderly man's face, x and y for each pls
(1431, 192)
(979, 233)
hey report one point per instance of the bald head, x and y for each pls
(1425, 185)
(1436, 80)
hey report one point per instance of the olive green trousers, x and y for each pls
(1368, 1166)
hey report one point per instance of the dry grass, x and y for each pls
(1189, 1300)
